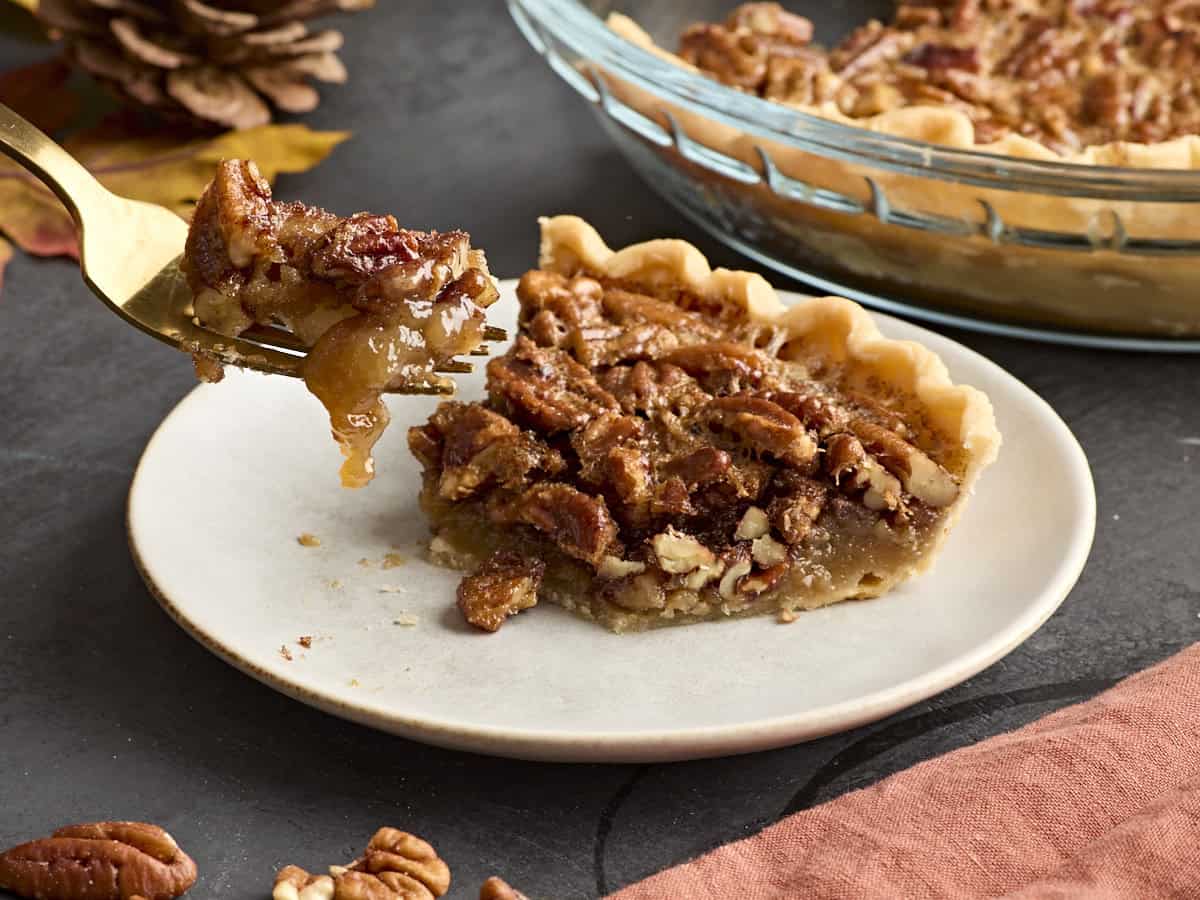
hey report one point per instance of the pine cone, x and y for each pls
(219, 62)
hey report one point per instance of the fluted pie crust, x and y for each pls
(669, 443)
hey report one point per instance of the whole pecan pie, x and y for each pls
(379, 305)
(664, 443)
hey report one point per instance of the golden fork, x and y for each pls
(129, 256)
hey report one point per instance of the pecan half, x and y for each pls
(579, 524)
(920, 475)
(765, 427)
(546, 387)
(504, 585)
(737, 58)
(496, 888)
(99, 861)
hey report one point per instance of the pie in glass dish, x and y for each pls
(1065, 79)
(1093, 83)
(666, 443)
(378, 307)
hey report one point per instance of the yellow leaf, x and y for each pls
(156, 166)
(30, 5)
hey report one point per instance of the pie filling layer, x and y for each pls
(1068, 74)
(648, 455)
(378, 305)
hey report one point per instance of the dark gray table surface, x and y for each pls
(108, 710)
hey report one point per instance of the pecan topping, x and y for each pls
(793, 514)
(689, 483)
(1067, 73)
(503, 586)
(396, 866)
(99, 861)
(474, 447)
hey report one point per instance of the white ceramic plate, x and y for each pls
(238, 470)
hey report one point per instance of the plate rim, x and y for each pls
(678, 744)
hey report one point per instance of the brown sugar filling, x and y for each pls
(662, 459)
(1066, 73)
(378, 305)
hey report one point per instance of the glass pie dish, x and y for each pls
(1087, 254)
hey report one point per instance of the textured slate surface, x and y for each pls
(108, 710)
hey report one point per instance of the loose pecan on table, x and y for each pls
(504, 585)
(396, 866)
(496, 888)
(99, 861)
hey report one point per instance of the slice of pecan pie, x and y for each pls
(379, 305)
(664, 443)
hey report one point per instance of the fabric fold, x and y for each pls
(1100, 799)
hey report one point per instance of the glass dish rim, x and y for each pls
(578, 28)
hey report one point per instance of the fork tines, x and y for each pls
(281, 339)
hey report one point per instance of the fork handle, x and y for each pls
(27, 145)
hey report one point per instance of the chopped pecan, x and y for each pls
(763, 580)
(294, 883)
(99, 861)
(867, 46)
(920, 475)
(546, 387)
(737, 564)
(637, 593)
(763, 426)
(1106, 100)
(496, 888)
(679, 553)
(503, 586)
(396, 866)
(613, 567)
(767, 552)
(754, 524)
(945, 56)
(579, 524)
(793, 514)
(595, 441)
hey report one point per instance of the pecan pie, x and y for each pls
(664, 443)
(1068, 74)
(379, 305)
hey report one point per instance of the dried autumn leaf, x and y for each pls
(156, 165)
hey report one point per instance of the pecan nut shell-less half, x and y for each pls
(99, 861)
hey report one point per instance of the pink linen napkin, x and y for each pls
(1098, 800)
